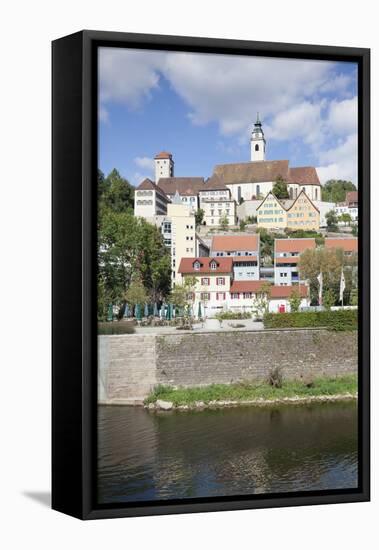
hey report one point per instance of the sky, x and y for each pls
(201, 108)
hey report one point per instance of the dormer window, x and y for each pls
(213, 265)
(196, 265)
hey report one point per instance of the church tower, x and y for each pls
(258, 142)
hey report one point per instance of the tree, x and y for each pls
(243, 225)
(242, 200)
(182, 296)
(335, 190)
(328, 298)
(199, 216)
(354, 230)
(116, 192)
(331, 221)
(295, 300)
(280, 189)
(345, 218)
(136, 293)
(262, 300)
(329, 262)
(224, 222)
(129, 249)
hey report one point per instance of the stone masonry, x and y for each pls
(131, 365)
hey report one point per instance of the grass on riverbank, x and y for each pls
(250, 392)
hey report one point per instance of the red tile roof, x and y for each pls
(188, 186)
(348, 244)
(246, 286)
(303, 175)
(351, 197)
(231, 243)
(224, 265)
(276, 291)
(252, 172)
(294, 245)
(163, 155)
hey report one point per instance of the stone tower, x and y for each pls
(258, 142)
(164, 166)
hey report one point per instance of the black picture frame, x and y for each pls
(74, 357)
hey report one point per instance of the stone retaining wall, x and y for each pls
(131, 365)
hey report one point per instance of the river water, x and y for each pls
(245, 450)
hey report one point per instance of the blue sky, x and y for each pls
(201, 107)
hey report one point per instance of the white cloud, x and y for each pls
(145, 162)
(127, 76)
(138, 177)
(103, 114)
(343, 116)
(301, 120)
(340, 162)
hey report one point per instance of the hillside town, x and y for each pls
(214, 229)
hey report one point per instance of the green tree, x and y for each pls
(354, 230)
(182, 296)
(129, 249)
(199, 216)
(243, 225)
(345, 218)
(116, 193)
(335, 190)
(224, 222)
(329, 262)
(331, 221)
(136, 294)
(328, 298)
(280, 189)
(262, 300)
(295, 300)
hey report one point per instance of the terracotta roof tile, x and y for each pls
(163, 155)
(224, 265)
(293, 245)
(303, 175)
(276, 291)
(184, 186)
(252, 172)
(347, 244)
(232, 243)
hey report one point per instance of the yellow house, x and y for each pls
(271, 214)
(300, 213)
(303, 214)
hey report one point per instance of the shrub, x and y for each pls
(275, 377)
(232, 315)
(116, 327)
(334, 320)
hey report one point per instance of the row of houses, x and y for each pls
(230, 277)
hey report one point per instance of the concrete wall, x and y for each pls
(131, 365)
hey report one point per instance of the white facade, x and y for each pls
(217, 209)
(246, 270)
(324, 207)
(164, 166)
(248, 190)
(345, 209)
(148, 204)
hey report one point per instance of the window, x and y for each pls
(235, 295)
(204, 295)
(196, 266)
(205, 281)
(220, 281)
(247, 294)
(257, 147)
(239, 193)
(258, 190)
(220, 295)
(213, 265)
(316, 194)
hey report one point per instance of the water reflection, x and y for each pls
(246, 450)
